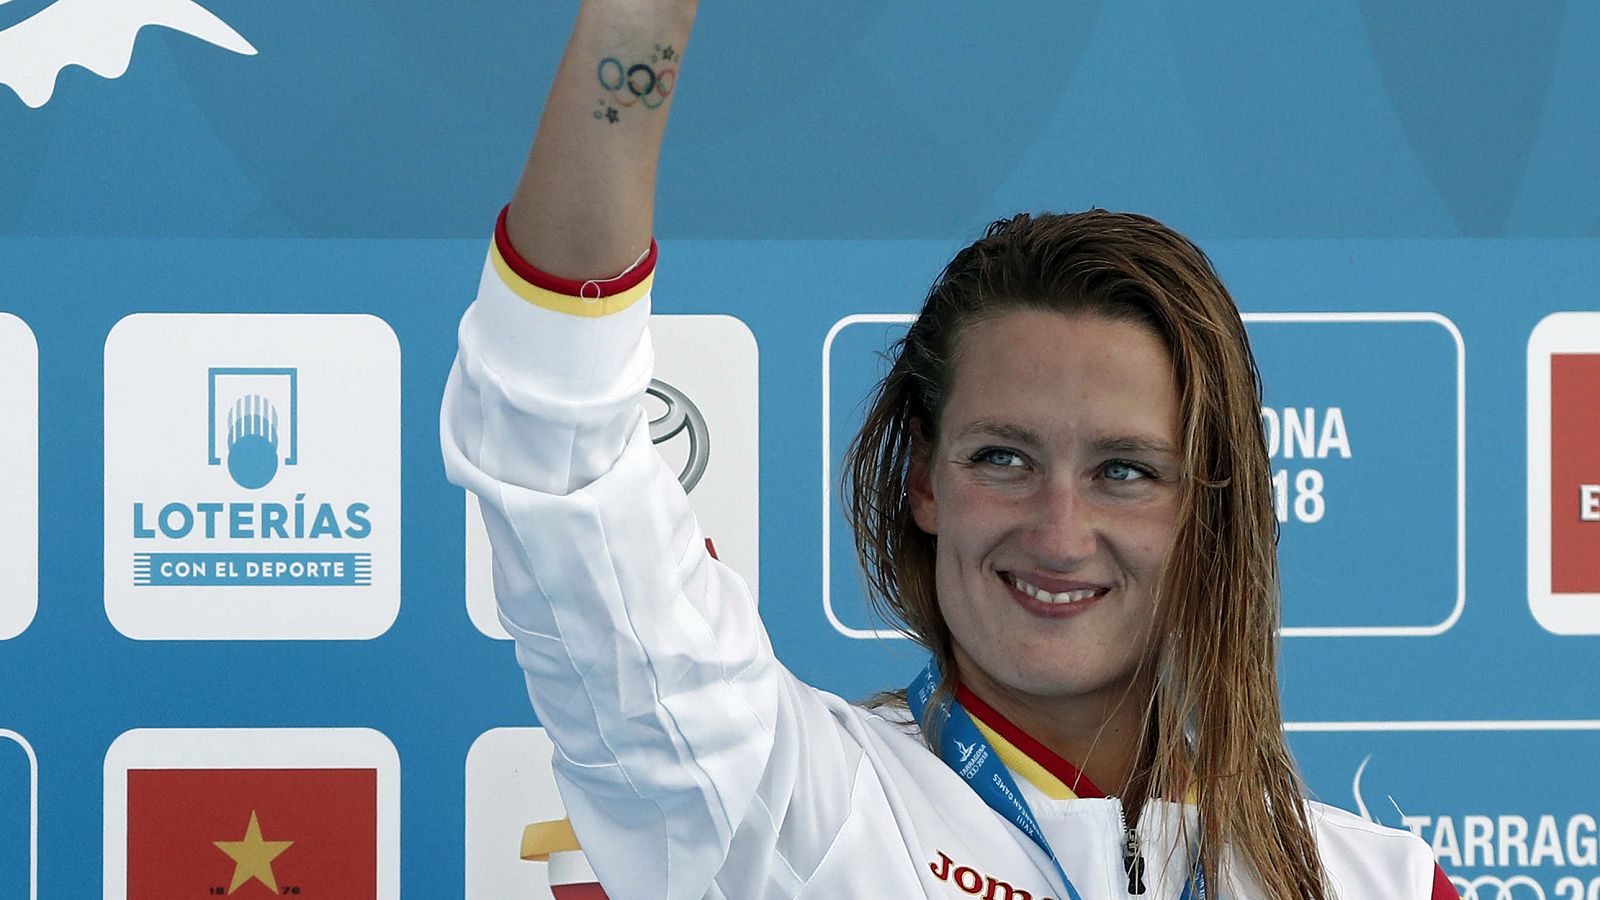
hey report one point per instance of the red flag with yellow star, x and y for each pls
(252, 833)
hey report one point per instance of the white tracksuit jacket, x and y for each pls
(692, 763)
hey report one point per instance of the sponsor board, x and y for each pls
(98, 35)
(19, 817)
(702, 405)
(252, 477)
(1336, 432)
(518, 842)
(1504, 806)
(193, 813)
(19, 476)
(1564, 473)
(1350, 400)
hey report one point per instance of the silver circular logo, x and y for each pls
(681, 415)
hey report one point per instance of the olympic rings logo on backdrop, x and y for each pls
(1522, 887)
(1568, 887)
(1502, 888)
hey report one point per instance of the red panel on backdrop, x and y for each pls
(1574, 464)
(252, 833)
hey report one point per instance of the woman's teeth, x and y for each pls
(1044, 596)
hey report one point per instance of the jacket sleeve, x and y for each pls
(680, 741)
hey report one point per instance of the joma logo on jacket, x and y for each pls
(976, 883)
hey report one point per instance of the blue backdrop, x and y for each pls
(1358, 158)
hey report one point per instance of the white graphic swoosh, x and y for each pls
(1355, 788)
(98, 35)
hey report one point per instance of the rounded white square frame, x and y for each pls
(359, 353)
(715, 361)
(251, 748)
(1562, 332)
(33, 808)
(509, 785)
(19, 476)
(1336, 631)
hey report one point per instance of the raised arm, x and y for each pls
(692, 764)
(584, 206)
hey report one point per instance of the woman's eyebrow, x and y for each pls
(1004, 430)
(1132, 444)
(1020, 434)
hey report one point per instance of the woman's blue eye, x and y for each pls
(999, 456)
(1121, 471)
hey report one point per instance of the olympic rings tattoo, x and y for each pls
(607, 83)
(648, 72)
(646, 84)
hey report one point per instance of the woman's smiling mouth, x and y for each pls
(1071, 597)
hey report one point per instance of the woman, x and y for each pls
(1061, 491)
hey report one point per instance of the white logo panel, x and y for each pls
(285, 811)
(19, 817)
(1564, 473)
(703, 406)
(519, 842)
(19, 476)
(252, 477)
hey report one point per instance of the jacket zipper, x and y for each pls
(1132, 858)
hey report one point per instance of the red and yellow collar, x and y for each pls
(1042, 767)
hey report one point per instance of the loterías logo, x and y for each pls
(252, 477)
(251, 440)
(245, 430)
(98, 35)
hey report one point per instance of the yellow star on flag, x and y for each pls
(252, 857)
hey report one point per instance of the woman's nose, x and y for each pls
(1063, 531)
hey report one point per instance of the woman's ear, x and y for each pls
(919, 482)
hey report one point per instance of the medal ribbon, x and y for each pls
(965, 750)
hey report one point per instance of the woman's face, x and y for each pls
(1053, 490)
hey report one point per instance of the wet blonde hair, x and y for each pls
(1215, 724)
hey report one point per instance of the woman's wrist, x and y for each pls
(644, 15)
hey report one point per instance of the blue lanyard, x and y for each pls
(964, 748)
